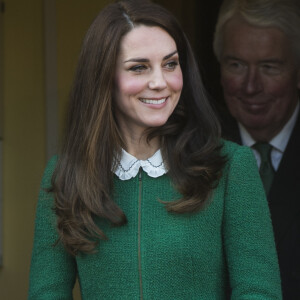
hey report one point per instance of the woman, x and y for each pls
(148, 201)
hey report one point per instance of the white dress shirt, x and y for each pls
(279, 142)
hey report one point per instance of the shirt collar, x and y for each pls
(128, 167)
(280, 141)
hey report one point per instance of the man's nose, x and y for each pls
(252, 83)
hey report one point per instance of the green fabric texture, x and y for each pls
(160, 255)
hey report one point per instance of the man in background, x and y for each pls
(257, 43)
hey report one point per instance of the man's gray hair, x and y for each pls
(281, 14)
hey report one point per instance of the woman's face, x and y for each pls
(149, 79)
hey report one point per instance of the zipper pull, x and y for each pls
(140, 174)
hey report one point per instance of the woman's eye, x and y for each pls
(138, 68)
(171, 65)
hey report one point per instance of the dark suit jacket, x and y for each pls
(284, 203)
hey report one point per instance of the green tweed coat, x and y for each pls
(161, 255)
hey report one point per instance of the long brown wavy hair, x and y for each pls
(83, 180)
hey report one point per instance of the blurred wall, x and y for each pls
(23, 138)
(73, 19)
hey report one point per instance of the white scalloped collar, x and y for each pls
(129, 166)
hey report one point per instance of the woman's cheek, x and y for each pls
(132, 86)
(176, 82)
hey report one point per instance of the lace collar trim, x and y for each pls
(129, 166)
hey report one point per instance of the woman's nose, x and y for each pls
(157, 80)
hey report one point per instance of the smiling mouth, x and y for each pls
(254, 102)
(153, 101)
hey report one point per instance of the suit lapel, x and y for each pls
(284, 196)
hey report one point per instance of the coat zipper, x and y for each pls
(139, 232)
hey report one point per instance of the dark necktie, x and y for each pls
(266, 169)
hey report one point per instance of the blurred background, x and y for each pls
(39, 46)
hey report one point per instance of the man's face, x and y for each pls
(259, 76)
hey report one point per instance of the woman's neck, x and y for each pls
(140, 148)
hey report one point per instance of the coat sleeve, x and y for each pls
(248, 235)
(53, 270)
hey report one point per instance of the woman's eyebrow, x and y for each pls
(170, 55)
(139, 59)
